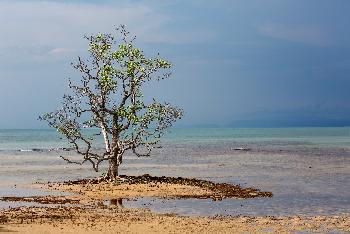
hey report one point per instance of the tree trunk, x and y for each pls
(105, 137)
(112, 173)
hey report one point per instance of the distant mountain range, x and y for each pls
(302, 122)
(284, 119)
(295, 118)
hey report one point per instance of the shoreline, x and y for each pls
(85, 212)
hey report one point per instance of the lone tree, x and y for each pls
(109, 97)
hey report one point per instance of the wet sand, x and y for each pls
(86, 212)
(121, 220)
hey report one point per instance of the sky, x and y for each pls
(248, 63)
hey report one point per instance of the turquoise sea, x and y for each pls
(26, 139)
(307, 169)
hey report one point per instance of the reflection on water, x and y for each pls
(116, 202)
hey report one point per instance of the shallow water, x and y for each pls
(307, 169)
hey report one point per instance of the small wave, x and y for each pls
(37, 150)
(34, 150)
(61, 148)
(44, 149)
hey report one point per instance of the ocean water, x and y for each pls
(307, 169)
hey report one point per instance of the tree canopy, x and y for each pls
(110, 97)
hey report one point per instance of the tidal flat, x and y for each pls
(307, 171)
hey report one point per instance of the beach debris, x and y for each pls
(42, 199)
(242, 149)
(3, 219)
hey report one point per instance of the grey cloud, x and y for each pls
(308, 34)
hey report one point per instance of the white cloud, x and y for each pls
(55, 24)
(307, 34)
(59, 24)
(55, 29)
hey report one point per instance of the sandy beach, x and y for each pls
(119, 220)
(86, 211)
